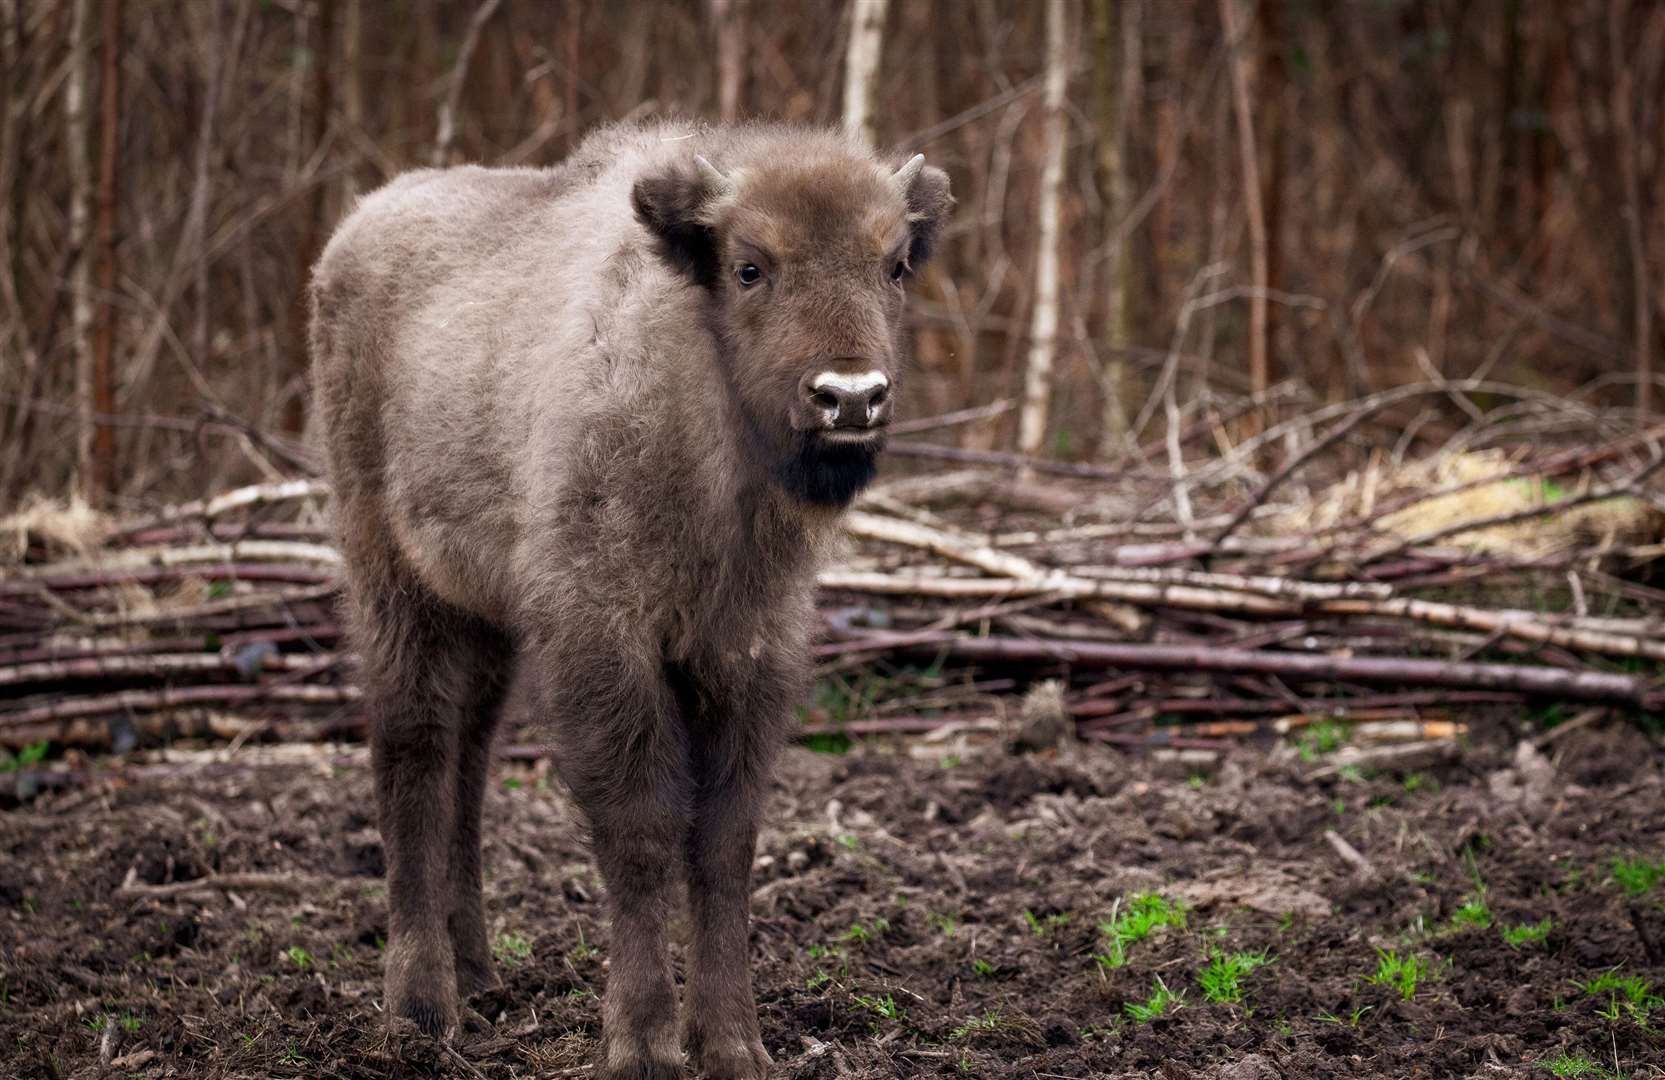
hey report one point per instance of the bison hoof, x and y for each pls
(639, 1059)
(426, 1004)
(432, 1018)
(639, 1069)
(734, 1060)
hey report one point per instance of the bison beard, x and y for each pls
(827, 475)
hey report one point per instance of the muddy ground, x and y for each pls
(921, 910)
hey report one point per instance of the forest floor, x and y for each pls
(921, 909)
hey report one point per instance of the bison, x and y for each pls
(590, 427)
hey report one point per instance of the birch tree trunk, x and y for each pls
(1043, 326)
(861, 66)
(1116, 77)
(1249, 161)
(80, 217)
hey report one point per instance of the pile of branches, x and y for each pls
(1177, 605)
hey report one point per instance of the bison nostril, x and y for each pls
(848, 400)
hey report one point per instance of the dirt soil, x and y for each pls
(921, 910)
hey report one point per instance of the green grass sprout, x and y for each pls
(1161, 1002)
(1527, 933)
(1146, 913)
(1222, 978)
(1399, 973)
(1637, 876)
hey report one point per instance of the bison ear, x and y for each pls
(929, 202)
(675, 205)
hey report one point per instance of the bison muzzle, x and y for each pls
(590, 428)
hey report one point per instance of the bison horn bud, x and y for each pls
(721, 186)
(904, 177)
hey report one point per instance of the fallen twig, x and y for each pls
(1349, 854)
(132, 888)
(1413, 755)
(1545, 681)
(244, 498)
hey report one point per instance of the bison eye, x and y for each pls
(749, 275)
(898, 272)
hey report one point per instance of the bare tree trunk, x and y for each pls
(80, 214)
(196, 218)
(1650, 60)
(1249, 161)
(1271, 92)
(1219, 223)
(637, 48)
(1116, 77)
(14, 334)
(296, 115)
(861, 66)
(1624, 128)
(13, 48)
(1043, 326)
(446, 130)
(575, 23)
(352, 89)
(729, 22)
(312, 227)
(103, 374)
(1166, 123)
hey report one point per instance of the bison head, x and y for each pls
(802, 260)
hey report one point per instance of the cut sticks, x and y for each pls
(215, 620)
(1518, 678)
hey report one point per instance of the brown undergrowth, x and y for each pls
(921, 910)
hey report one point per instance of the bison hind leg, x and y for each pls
(493, 658)
(433, 683)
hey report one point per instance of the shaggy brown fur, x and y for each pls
(591, 424)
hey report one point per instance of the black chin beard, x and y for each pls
(827, 474)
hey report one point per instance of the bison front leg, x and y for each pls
(722, 1028)
(735, 732)
(621, 749)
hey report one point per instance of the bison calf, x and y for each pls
(589, 426)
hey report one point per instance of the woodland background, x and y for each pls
(1169, 212)
(1286, 383)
